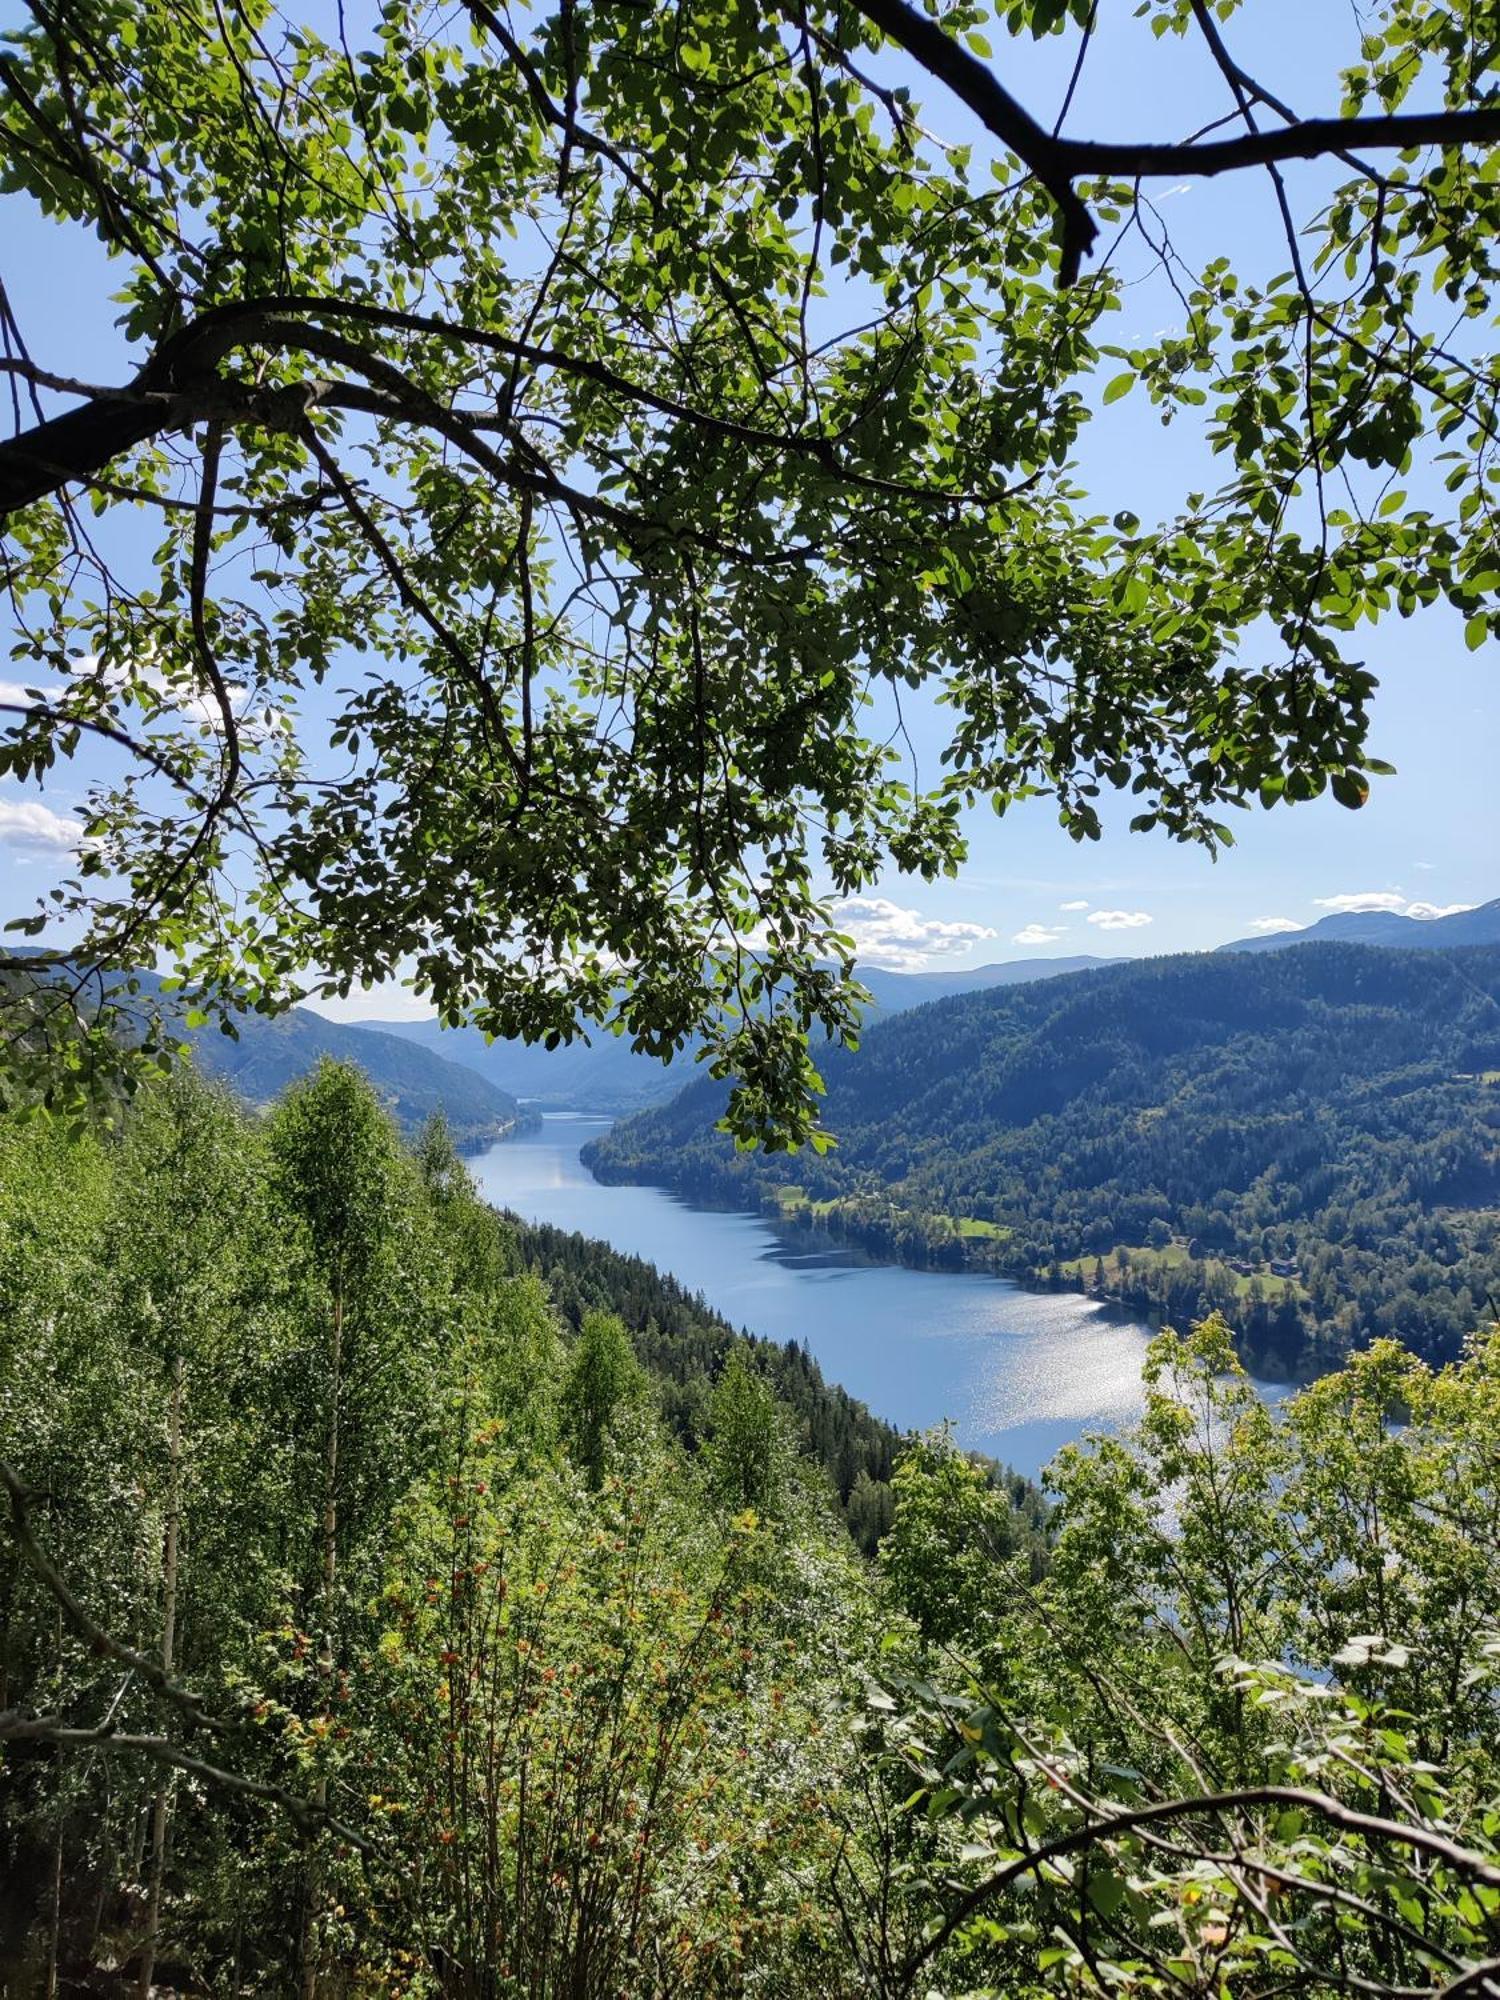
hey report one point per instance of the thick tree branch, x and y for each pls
(74, 446)
(87, 1628)
(974, 84)
(17, 1727)
(1058, 163)
(77, 446)
(1291, 1797)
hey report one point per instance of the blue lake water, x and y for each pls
(1019, 1373)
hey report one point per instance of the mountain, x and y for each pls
(1309, 1140)
(894, 992)
(607, 1075)
(1383, 927)
(269, 1054)
(413, 1081)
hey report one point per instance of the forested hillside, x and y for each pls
(1309, 1140)
(370, 1624)
(267, 1053)
(684, 1344)
(415, 1083)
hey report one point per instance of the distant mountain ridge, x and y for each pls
(1478, 926)
(414, 1082)
(607, 1075)
(270, 1052)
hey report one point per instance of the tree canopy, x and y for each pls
(546, 449)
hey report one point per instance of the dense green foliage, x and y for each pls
(285, 1408)
(1234, 1744)
(535, 457)
(365, 1631)
(685, 1345)
(1173, 1131)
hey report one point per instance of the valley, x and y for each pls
(1305, 1140)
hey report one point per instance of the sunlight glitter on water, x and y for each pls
(1018, 1373)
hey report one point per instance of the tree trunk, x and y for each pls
(330, 1586)
(168, 1651)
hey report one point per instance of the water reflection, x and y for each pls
(1020, 1373)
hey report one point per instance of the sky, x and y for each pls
(1428, 839)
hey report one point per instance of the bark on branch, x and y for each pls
(1058, 163)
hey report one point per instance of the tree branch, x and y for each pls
(1295, 1798)
(1058, 163)
(94, 1634)
(975, 85)
(18, 1728)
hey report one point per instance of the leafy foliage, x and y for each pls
(1241, 1738)
(562, 444)
(510, 1693)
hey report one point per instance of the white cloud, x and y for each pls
(1392, 900)
(1119, 920)
(386, 1002)
(1040, 934)
(1425, 866)
(21, 696)
(1267, 925)
(254, 719)
(903, 940)
(1362, 900)
(1072, 906)
(28, 824)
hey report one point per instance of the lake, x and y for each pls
(1019, 1373)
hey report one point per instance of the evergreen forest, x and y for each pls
(394, 1600)
(1306, 1141)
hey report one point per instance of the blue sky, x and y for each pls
(1429, 838)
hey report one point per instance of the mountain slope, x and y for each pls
(413, 1081)
(270, 1053)
(1334, 1112)
(608, 1076)
(1384, 927)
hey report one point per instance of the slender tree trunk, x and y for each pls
(330, 1587)
(54, 1929)
(168, 1659)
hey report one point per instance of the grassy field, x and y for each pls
(1170, 1258)
(793, 1200)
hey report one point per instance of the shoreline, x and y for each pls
(968, 1257)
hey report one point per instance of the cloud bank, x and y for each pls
(28, 824)
(1119, 920)
(1362, 901)
(903, 940)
